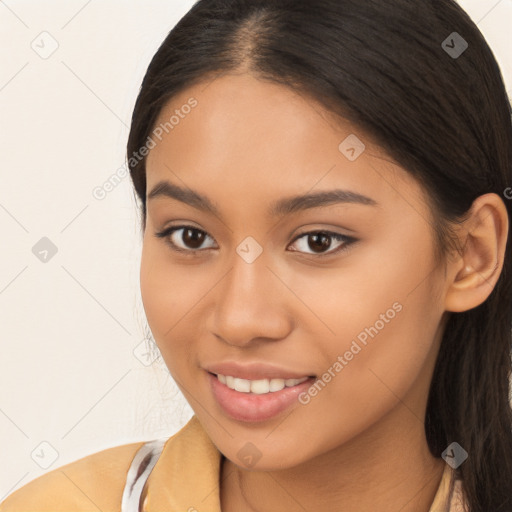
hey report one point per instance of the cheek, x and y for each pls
(380, 317)
(171, 295)
(167, 290)
(157, 296)
(371, 365)
(163, 296)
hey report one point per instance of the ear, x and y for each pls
(483, 238)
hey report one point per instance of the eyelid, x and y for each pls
(346, 239)
(167, 232)
(340, 237)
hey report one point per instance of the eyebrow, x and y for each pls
(278, 208)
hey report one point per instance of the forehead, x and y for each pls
(261, 139)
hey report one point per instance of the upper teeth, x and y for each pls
(258, 386)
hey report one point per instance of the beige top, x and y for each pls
(178, 474)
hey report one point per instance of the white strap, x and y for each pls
(140, 469)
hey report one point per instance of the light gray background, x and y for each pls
(73, 371)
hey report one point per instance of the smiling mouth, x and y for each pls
(259, 386)
(256, 400)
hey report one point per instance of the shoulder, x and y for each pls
(95, 482)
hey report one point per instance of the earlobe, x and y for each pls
(483, 237)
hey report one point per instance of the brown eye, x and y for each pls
(320, 241)
(189, 240)
(193, 238)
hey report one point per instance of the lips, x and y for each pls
(252, 407)
(265, 390)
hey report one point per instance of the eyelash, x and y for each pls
(348, 240)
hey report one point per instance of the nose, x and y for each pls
(250, 303)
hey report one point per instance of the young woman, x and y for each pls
(325, 191)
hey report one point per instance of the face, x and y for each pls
(344, 291)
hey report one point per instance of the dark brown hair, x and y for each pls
(445, 118)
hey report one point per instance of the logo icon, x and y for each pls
(44, 454)
(147, 355)
(44, 250)
(45, 45)
(352, 147)
(454, 455)
(249, 455)
(454, 45)
(249, 249)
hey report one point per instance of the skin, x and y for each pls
(361, 440)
